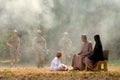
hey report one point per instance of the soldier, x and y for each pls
(14, 44)
(65, 45)
(39, 46)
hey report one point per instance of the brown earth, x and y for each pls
(32, 73)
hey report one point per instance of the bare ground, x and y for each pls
(32, 73)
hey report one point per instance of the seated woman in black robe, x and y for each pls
(96, 56)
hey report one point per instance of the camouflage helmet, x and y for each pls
(39, 31)
(15, 31)
(65, 33)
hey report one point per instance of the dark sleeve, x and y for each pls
(97, 53)
(92, 56)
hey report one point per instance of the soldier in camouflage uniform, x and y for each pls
(65, 45)
(39, 47)
(14, 44)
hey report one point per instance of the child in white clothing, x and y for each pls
(56, 64)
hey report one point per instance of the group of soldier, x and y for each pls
(40, 48)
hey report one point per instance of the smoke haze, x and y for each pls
(54, 17)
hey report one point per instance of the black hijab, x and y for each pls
(97, 54)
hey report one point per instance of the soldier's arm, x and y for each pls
(18, 43)
(18, 49)
(8, 43)
(61, 43)
(45, 45)
(70, 43)
(33, 44)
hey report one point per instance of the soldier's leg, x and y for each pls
(12, 57)
(65, 57)
(42, 59)
(38, 60)
(37, 57)
(16, 59)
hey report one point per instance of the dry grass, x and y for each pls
(32, 73)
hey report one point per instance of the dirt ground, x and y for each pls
(32, 73)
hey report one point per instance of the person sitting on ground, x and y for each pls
(56, 64)
(97, 55)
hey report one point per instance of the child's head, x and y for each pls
(59, 54)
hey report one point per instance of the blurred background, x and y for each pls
(54, 17)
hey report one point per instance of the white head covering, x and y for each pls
(84, 36)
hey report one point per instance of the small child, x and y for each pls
(56, 63)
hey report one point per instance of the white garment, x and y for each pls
(56, 64)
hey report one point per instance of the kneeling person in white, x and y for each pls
(56, 64)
